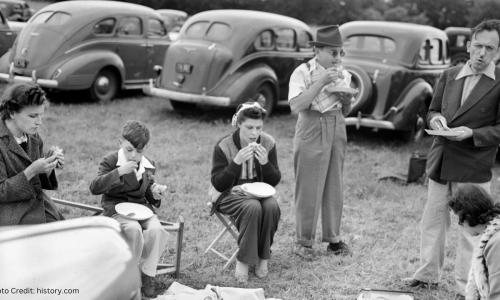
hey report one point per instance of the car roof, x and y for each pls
(173, 12)
(241, 18)
(459, 30)
(408, 37)
(96, 9)
(13, 1)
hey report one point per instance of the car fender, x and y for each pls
(241, 84)
(419, 92)
(78, 71)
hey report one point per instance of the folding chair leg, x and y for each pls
(217, 239)
(233, 258)
(178, 250)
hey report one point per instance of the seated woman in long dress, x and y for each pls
(247, 155)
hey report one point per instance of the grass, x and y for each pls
(380, 222)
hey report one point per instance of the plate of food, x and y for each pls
(444, 132)
(258, 189)
(334, 89)
(134, 211)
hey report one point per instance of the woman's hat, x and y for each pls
(329, 36)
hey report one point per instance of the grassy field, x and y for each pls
(381, 218)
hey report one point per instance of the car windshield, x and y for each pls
(372, 44)
(52, 18)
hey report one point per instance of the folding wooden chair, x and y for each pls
(229, 226)
(162, 268)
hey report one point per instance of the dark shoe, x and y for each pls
(305, 252)
(459, 297)
(415, 283)
(148, 288)
(339, 248)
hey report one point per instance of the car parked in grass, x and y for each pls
(174, 19)
(395, 66)
(226, 57)
(9, 30)
(86, 258)
(458, 37)
(97, 46)
(16, 10)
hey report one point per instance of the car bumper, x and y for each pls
(185, 97)
(359, 121)
(46, 83)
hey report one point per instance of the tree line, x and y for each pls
(437, 13)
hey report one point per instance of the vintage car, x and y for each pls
(9, 30)
(97, 46)
(86, 258)
(174, 19)
(458, 37)
(226, 57)
(395, 66)
(16, 10)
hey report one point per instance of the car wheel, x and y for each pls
(417, 132)
(178, 105)
(361, 81)
(265, 97)
(459, 60)
(105, 86)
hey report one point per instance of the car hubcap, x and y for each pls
(102, 85)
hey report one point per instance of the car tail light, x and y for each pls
(57, 73)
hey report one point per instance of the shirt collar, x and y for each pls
(21, 140)
(145, 163)
(467, 71)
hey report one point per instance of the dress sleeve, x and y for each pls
(492, 255)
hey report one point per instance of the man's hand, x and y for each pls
(331, 75)
(439, 123)
(467, 133)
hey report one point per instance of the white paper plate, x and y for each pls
(134, 211)
(444, 133)
(258, 189)
(342, 90)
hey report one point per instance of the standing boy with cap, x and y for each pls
(320, 142)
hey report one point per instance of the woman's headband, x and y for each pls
(256, 104)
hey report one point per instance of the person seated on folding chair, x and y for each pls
(24, 169)
(128, 176)
(237, 160)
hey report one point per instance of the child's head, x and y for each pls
(135, 140)
(473, 206)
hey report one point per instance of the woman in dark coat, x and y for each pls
(247, 155)
(24, 171)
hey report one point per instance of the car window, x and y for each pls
(130, 26)
(265, 40)
(41, 18)
(461, 40)
(105, 26)
(58, 18)
(218, 31)
(431, 51)
(285, 39)
(304, 38)
(197, 29)
(2, 19)
(370, 43)
(156, 29)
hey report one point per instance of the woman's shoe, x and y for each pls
(261, 273)
(241, 279)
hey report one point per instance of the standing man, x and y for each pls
(466, 100)
(320, 141)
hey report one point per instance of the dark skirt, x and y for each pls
(257, 221)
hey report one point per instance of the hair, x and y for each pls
(472, 204)
(488, 25)
(18, 96)
(136, 133)
(250, 113)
